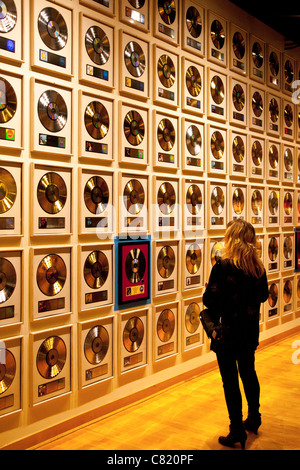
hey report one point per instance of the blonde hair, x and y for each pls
(240, 247)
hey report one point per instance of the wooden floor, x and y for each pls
(192, 414)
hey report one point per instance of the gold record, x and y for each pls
(288, 159)
(288, 71)
(217, 89)
(7, 370)
(193, 140)
(166, 134)
(193, 22)
(273, 202)
(298, 288)
(135, 265)
(8, 17)
(238, 201)
(193, 258)
(166, 71)
(134, 196)
(238, 45)
(217, 34)
(257, 104)
(192, 317)
(217, 200)
(134, 59)
(274, 64)
(52, 111)
(8, 279)
(51, 275)
(288, 203)
(97, 45)
(288, 247)
(167, 11)
(256, 153)
(273, 249)
(133, 334)
(134, 128)
(259, 248)
(51, 357)
(52, 28)
(274, 110)
(257, 54)
(273, 156)
(287, 291)
(96, 120)
(8, 101)
(166, 198)
(238, 97)
(165, 325)
(52, 193)
(217, 145)
(256, 202)
(273, 295)
(166, 261)
(8, 191)
(96, 194)
(96, 344)
(288, 115)
(216, 252)
(96, 269)
(194, 199)
(238, 149)
(193, 81)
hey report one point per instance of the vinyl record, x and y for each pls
(97, 45)
(166, 71)
(8, 101)
(96, 120)
(217, 145)
(288, 159)
(166, 198)
(137, 3)
(288, 247)
(134, 196)
(256, 153)
(217, 90)
(288, 115)
(238, 149)
(238, 97)
(96, 195)
(287, 291)
(193, 258)
(133, 334)
(273, 249)
(8, 191)
(288, 203)
(166, 261)
(274, 110)
(53, 29)
(166, 134)
(238, 201)
(7, 369)
(259, 248)
(192, 317)
(52, 111)
(8, 279)
(273, 295)
(8, 16)
(256, 202)
(257, 55)
(217, 34)
(288, 71)
(194, 199)
(274, 64)
(51, 357)
(193, 140)
(134, 128)
(51, 275)
(238, 44)
(216, 252)
(273, 156)
(96, 269)
(217, 200)
(135, 265)
(165, 325)
(193, 81)
(167, 11)
(96, 344)
(273, 202)
(134, 59)
(257, 104)
(193, 22)
(52, 193)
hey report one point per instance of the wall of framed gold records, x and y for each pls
(128, 118)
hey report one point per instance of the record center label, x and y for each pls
(53, 59)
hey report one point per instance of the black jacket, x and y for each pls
(234, 298)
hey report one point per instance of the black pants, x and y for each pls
(232, 364)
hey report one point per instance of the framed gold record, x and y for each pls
(273, 160)
(192, 331)
(133, 340)
(166, 77)
(193, 85)
(166, 203)
(11, 30)
(256, 205)
(11, 269)
(217, 95)
(11, 111)
(166, 129)
(287, 207)
(193, 191)
(287, 247)
(238, 102)
(288, 74)
(288, 119)
(287, 293)
(273, 304)
(11, 351)
(238, 52)
(165, 330)
(273, 255)
(166, 20)
(273, 207)
(134, 132)
(288, 164)
(257, 108)
(10, 199)
(238, 197)
(257, 59)
(166, 262)
(133, 203)
(193, 256)
(257, 157)
(273, 114)
(135, 13)
(217, 200)
(215, 246)
(217, 149)
(217, 38)
(273, 67)
(193, 145)
(238, 154)
(193, 28)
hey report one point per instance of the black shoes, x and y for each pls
(252, 423)
(234, 436)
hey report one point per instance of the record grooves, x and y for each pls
(97, 45)
(133, 334)
(52, 193)
(96, 120)
(52, 111)
(8, 191)
(96, 344)
(134, 59)
(51, 357)
(8, 101)
(8, 16)
(52, 28)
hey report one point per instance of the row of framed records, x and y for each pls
(52, 31)
(176, 204)
(132, 337)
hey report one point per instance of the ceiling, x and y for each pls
(284, 19)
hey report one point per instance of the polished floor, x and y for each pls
(192, 414)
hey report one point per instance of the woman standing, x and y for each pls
(236, 288)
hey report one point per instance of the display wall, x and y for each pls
(131, 132)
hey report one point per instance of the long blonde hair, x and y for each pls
(240, 247)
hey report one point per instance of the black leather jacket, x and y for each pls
(234, 299)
